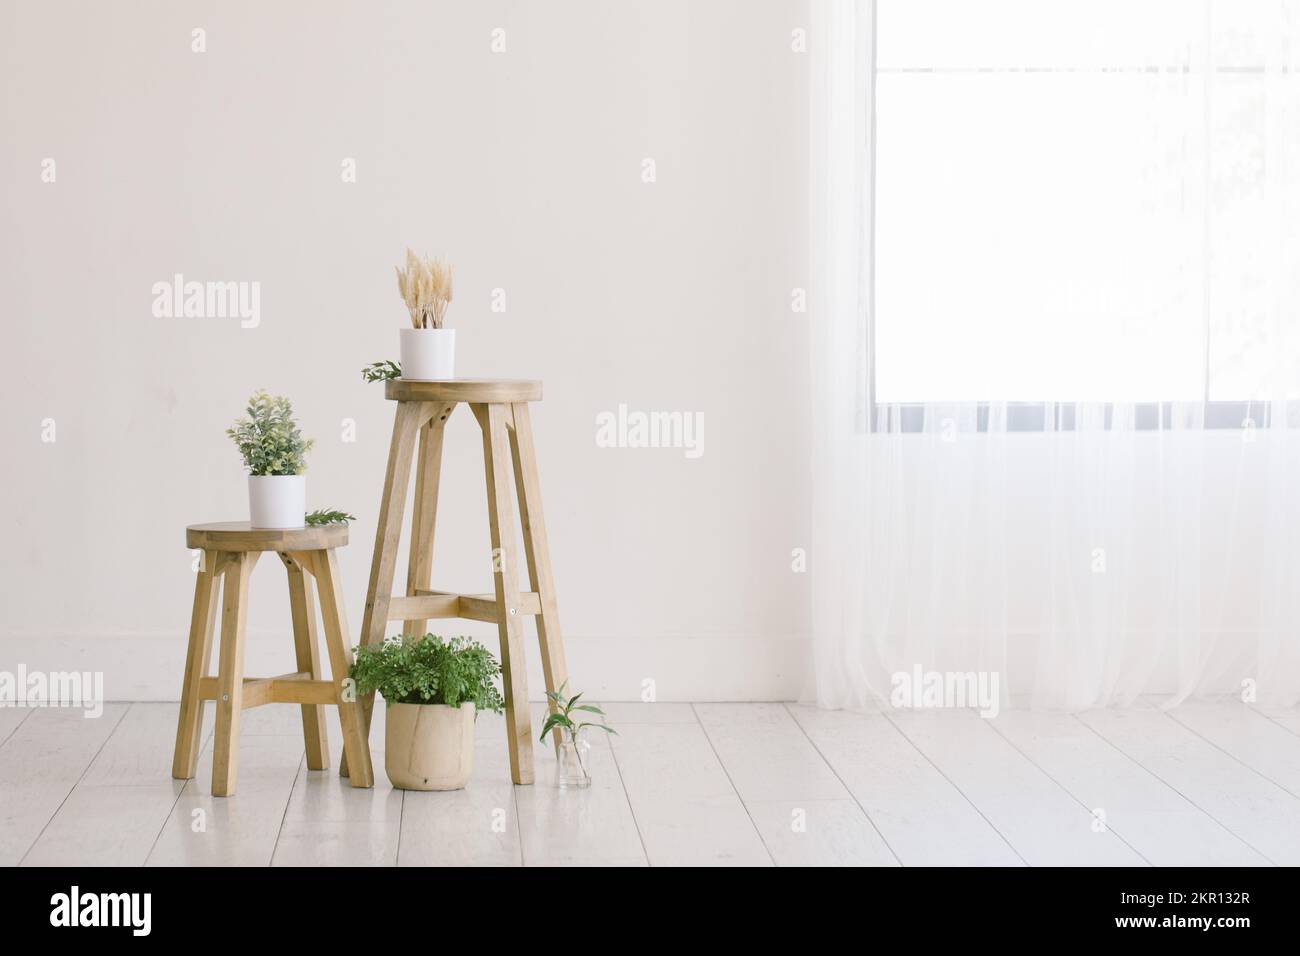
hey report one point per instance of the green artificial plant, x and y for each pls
(269, 439)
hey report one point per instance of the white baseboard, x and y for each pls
(149, 668)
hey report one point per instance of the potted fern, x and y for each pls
(433, 689)
(428, 350)
(275, 452)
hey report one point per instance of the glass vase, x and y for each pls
(571, 764)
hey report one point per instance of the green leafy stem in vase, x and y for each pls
(562, 716)
(324, 516)
(381, 371)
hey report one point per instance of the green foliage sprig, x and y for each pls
(380, 371)
(328, 517)
(563, 717)
(429, 670)
(269, 439)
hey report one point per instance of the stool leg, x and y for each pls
(406, 425)
(529, 489)
(308, 657)
(189, 723)
(514, 670)
(428, 470)
(356, 748)
(230, 675)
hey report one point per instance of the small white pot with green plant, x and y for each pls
(428, 350)
(275, 453)
(433, 689)
(571, 755)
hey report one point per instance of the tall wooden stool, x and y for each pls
(501, 407)
(230, 549)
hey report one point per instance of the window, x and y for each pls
(1087, 201)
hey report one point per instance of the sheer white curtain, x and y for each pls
(1086, 261)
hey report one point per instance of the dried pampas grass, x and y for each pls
(425, 285)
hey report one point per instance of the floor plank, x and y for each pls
(105, 826)
(1157, 821)
(1288, 718)
(239, 830)
(820, 833)
(1255, 809)
(636, 712)
(139, 753)
(11, 719)
(924, 818)
(1263, 745)
(120, 804)
(40, 764)
(766, 755)
(592, 827)
(799, 804)
(477, 826)
(367, 841)
(1043, 823)
(327, 821)
(685, 807)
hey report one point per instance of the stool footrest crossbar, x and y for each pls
(470, 607)
(298, 688)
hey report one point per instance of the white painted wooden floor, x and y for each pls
(683, 784)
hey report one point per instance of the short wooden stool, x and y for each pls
(230, 549)
(501, 407)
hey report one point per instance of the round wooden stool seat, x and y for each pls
(241, 536)
(470, 390)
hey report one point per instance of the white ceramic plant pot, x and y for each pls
(429, 746)
(428, 355)
(277, 501)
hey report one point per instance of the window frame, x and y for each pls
(1148, 416)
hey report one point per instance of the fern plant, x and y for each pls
(429, 670)
(269, 439)
(381, 371)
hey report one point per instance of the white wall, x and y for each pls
(524, 168)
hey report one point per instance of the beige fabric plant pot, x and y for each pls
(429, 746)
